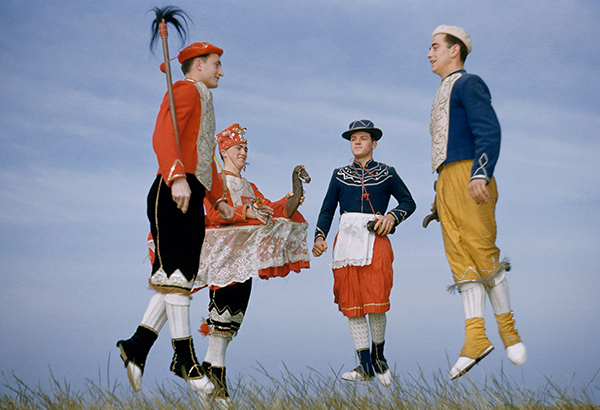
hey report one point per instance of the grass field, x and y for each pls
(311, 391)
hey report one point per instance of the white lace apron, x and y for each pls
(237, 253)
(354, 244)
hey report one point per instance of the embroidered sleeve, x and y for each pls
(484, 125)
(176, 171)
(406, 205)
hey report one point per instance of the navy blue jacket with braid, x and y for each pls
(474, 130)
(381, 182)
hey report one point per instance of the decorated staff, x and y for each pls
(183, 141)
(159, 28)
(465, 146)
(263, 240)
(362, 253)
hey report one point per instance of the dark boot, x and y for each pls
(379, 363)
(135, 349)
(364, 371)
(217, 376)
(134, 352)
(184, 363)
(382, 369)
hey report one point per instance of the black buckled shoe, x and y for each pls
(134, 352)
(186, 366)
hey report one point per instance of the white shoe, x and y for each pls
(354, 376)
(202, 385)
(222, 404)
(209, 402)
(464, 364)
(134, 373)
(517, 353)
(384, 378)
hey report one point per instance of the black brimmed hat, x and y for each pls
(363, 125)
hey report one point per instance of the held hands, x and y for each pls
(319, 247)
(478, 190)
(384, 224)
(180, 192)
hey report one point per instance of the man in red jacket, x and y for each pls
(186, 175)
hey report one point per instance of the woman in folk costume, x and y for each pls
(362, 255)
(260, 241)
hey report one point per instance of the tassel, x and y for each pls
(204, 329)
(151, 248)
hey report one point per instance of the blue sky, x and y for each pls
(80, 96)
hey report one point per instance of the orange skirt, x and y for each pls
(359, 290)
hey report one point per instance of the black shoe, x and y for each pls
(382, 369)
(184, 363)
(379, 363)
(218, 377)
(364, 371)
(134, 352)
(186, 366)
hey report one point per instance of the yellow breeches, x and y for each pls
(468, 228)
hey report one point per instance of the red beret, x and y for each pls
(195, 50)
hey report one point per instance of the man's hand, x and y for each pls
(291, 194)
(478, 190)
(226, 211)
(384, 224)
(180, 191)
(319, 247)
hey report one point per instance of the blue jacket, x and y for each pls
(474, 130)
(381, 182)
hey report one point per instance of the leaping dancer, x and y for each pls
(465, 146)
(264, 239)
(183, 141)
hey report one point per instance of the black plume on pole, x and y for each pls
(164, 16)
(170, 14)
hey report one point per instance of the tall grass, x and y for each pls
(311, 391)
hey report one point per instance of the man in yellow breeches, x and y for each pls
(465, 147)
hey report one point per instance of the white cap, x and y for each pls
(457, 32)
